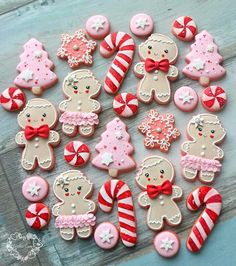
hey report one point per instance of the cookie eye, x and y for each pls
(27, 115)
(75, 87)
(66, 189)
(44, 115)
(166, 51)
(149, 47)
(162, 171)
(199, 129)
(212, 131)
(79, 187)
(87, 87)
(147, 174)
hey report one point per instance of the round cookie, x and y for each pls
(186, 99)
(37, 215)
(167, 244)
(141, 25)
(12, 99)
(184, 28)
(76, 153)
(125, 104)
(97, 27)
(106, 235)
(35, 188)
(214, 98)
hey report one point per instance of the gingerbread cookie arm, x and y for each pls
(54, 137)
(96, 106)
(220, 153)
(144, 200)
(177, 192)
(185, 146)
(63, 105)
(20, 138)
(173, 73)
(56, 209)
(92, 206)
(139, 69)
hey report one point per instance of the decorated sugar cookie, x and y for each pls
(141, 25)
(159, 131)
(156, 178)
(186, 99)
(158, 54)
(12, 99)
(79, 110)
(114, 149)
(35, 68)
(201, 155)
(184, 28)
(214, 98)
(98, 27)
(77, 49)
(74, 212)
(203, 60)
(37, 120)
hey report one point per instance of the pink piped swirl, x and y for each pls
(71, 221)
(79, 118)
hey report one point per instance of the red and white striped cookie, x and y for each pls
(119, 190)
(125, 104)
(214, 98)
(37, 215)
(121, 63)
(76, 153)
(184, 28)
(12, 99)
(210, 197)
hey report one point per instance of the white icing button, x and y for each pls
(79, 108)
(36, 145)
(72, 205)
(203, 147)
(156, 71)
(75, 47)
(159, 130)
(160, 197)
(73, 211)
(79, 102)
(162, 202)
(36, 139)
(155, 78)
(202, 153)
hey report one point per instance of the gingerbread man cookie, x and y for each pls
(74, 212)
(37, 119)
(158, 54)
(201, 154)
(156, 177)
(80, 109)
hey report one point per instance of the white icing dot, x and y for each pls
(156, 71)
(159, 130)
(36, 145)
(155, 78)
(202, 153)
(79, 108)
(36, 139)
(75, 47)
(73, 211)
(160, 197)
(203, 147)
(72, 205)
(162, 202)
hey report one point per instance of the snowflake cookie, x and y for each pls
(159, 130)
(76, 49)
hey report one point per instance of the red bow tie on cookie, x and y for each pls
(165, 188)
(151, 65)
(42, 131)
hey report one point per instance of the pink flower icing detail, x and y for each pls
(71, 221)
(198, 163)
(79, 118)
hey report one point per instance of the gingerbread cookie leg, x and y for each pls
(67, 233)
(189, 173)
(174, 216)
(206, 176)
(69, 130)
(86, 131)
(144, 92)
(28, 161)
(84, 232)
(162, 96)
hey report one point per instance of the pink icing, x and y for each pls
(170, 238)
(111, 240)
(97, 27)
(141, 25)
(186, 99)
(35, 188)
(71, 221)
(35, 67)
(206, 51)
(79, 118)
(115, 143)
(199, 163)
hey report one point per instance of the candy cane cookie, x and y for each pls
(119, 190)
(122, 42)
(207, 220)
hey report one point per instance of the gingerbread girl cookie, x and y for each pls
(80, 109)
(37, 119)
(158, 54)
(74, 212)
(201, 154)
(156, 177)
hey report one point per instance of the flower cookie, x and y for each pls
(12, 99)
(37, 120)
(115, 149)
(74, 212)
(159, 130)
(184, 28)
(80, 109)
(203, 60)
(76, 49)
(158, 54)
(97, 27)
(186, 99)
(141, 25)
(35, 68)
(106, 235)
(156, 177)
(201, 154)
(35, 188)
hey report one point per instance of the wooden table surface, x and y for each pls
(46, 20)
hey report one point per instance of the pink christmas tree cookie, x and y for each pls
(115, 149)
(203, 60)
(35, 68)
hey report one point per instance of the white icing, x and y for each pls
(27, 75)
(106, 235)
(33, 189)
(38, 54)
(186, 97)
(98, 24)
(118, 135)
(167, 244)
(199, 64)
(107, 158)
(141, 23)
(210, 48)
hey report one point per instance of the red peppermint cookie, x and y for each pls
(12, 99)
(184, 28)
(125, 104)
(76, 153)
(37, 215)
(214, 98)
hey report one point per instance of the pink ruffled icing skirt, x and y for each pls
(79, 118)
(198, 163)
(71, 221)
